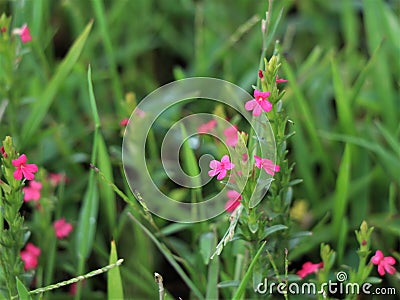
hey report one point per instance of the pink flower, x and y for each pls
(3, 29)
(207, 127)
(260, 74)
(62, 228)
(279, 80)
(24, 169)
(234, 200)
(30, 256)
(124, 122)
(24, 33)
(259, 103)
(56, 178)
(267, 165)
(231, 134)
(140, 113)
(220, 168)
(383, 263)
(309, 268)
(32, 192)
(3, 152)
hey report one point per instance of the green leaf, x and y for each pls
(23, 293)
(114, 282)
(213, 270)
(206, 246)
(243, 284)
(42, 105)
(274, 228)
(341, 191)
(171, 259)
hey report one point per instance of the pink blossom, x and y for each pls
(309, 268)
(30, 256)
(3, 29)
(207, 127)
(234, 200)
(384, 263)
(260, 74)
(24, 33)
(24, 169)
(3, 152)
(140, 113)
(220, 168)
(57, 178)
(62, 228)
(124, 122)
(231, 135)
(259, 103)
(32, 192)
(279, 80)
(267, 165)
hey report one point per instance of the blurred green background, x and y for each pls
(342, 59)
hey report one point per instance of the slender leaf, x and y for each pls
(114, 282)
(42, 105)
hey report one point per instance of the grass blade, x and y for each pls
(42, 105)
(242, 287)
(341, 195)
(23, 293)
(169, 256)
(114, 282)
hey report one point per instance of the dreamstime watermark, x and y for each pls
(330, 287)
(154, 111)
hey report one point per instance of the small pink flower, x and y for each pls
(124, 122)
(57, 178)
(62, 228)
(24, 33)
(30, 256)
(260, 74)
(234, 200)
(3, 152)
(220, 168)
(231, 135)
(245, 157)
(140, 113)
(259, 103)
(384, 263)
(309, 268)
(32, 192)
(279, 80)
(207, 127)
(3, 29)
(24, 169)
(267, 165)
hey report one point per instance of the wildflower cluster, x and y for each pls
(22, 182)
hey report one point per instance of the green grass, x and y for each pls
(342, 62)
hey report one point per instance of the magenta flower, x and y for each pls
(267, 165)
(124, 122)
(24, 33)
(220, 168)
(309, 268)
(234, 200)
(384, 263)
(62, 228)
(32, 192)
(207, 127)
(3, 152)
(24, 169)
(259, 103)
(279, 80)
(57, 178)
(30, 256)
(231, 135)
